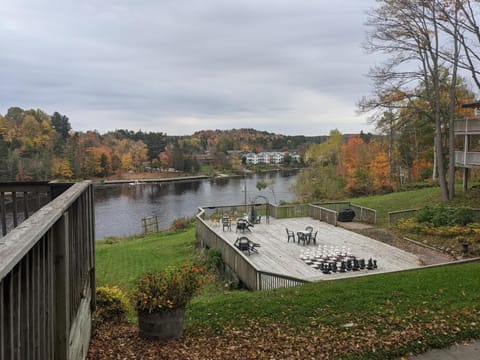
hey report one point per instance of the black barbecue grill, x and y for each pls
(346, 215)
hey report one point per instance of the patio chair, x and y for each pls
(290, 235)
(308, 229)
(313, 238)
(258, 219)
(226, 223)
(301, 237)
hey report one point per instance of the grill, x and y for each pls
(346, 215)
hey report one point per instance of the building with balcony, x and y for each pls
(467, 132)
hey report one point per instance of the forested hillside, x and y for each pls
(37, 146)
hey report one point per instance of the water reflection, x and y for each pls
(120, 208)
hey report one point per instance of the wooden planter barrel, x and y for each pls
(161, 326)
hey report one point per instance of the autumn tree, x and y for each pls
(413, 35)
(321, 177)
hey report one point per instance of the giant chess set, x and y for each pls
(330, 259)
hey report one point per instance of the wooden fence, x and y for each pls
(362, 213)
(47, 273)
(323, 214)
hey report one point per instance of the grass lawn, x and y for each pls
(416, 310)
(413, 200)
(124, 261)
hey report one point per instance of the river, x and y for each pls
(119, 208)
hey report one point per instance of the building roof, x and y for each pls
(472, 105)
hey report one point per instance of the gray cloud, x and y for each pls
(294, 67)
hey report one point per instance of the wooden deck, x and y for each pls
(278, 256)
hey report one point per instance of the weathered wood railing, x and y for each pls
(323, 214)
(249, 275)
(361, 213)
(18, 200)
(289, 211)
(364, 214)
(47, 278)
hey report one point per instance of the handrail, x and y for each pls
(20, 240)
(47, 278)
(323, 214)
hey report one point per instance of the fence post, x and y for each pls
(62, 290)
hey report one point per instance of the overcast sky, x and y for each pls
(177, 66)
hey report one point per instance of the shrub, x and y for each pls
(112, 304)
(214, 259)
(443, 216)
(463, 216)
(180, 223)
(168, 290)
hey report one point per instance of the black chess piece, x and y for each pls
(370, 264)
(334, 267)
(375, 264)
(326, 269)
(343, 267)
(362, 264)
(349, 265)
(355, 265)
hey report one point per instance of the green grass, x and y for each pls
(122, 263)
(440, 290)
(389, 315)
(399, 201)
(414, 199)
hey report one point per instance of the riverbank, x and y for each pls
(140, 180)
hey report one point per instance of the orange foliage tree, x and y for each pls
(364, 167)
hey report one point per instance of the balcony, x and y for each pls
(467, 127)
(467, 159)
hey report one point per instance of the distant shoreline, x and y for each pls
(158, 180)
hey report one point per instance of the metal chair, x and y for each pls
(313, 238)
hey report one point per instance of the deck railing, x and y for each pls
(467, 159)
(289, 211)
(361, 213)
(323, 214)
(47, 274)
(467, 126)
(19, 200)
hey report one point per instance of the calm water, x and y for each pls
(119, 209)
